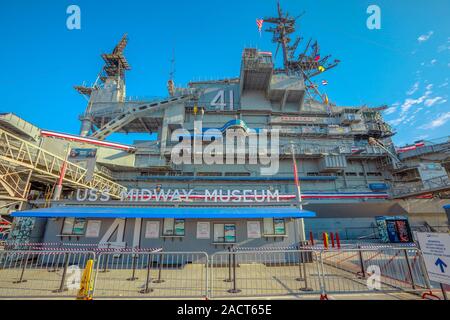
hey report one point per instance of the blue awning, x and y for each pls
(167, 212)
(447, 206)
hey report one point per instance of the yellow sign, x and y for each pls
(86, 285)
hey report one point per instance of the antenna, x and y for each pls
(170, 82)
(309, 63)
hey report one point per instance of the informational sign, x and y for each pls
(78, 226)
(268, 226)
(152, 230)
(87, 156)
(279, 226)
(230, 233)
(253, 229)
(79, 154)
(219, 235)
(203, 230)
(179, 227)
(168, 226)
(436, 253)
(93, 229)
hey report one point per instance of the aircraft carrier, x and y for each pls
(349, 170)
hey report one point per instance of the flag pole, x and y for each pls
(300, 223)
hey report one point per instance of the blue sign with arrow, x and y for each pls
(441, 264)
(435, 249)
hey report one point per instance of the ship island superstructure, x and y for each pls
(348, 167)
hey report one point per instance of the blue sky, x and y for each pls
(406, 64)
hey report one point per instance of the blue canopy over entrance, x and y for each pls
(167, 212)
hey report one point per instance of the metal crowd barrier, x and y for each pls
(26, 274)
(151, 275)
(365, 270)
(239, 272)
(264, 273)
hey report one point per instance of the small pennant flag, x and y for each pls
(324, 82)
(259, 24)
(321, 69)
(317, 58)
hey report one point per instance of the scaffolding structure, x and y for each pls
(22, 161)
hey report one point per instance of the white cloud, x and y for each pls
(397, 121)
(425, 37)
(421, 137)
(433, 62)
(433, 101)
(411, 102)
(390, 110)
(413, 89)
(445, 46)
(429, 87)
(443, 85)
(439, 121)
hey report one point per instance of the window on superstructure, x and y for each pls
(209, 174)
(173, 227)
(274, 227)
(237, 174)
(351, 174)
(313, 174)
(224, 233)
(374, 174)
(74, 226)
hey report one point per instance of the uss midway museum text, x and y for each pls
(179, 195)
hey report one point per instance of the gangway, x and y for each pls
(22, 162)
(134, 113)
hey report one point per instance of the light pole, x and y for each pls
(300, 223)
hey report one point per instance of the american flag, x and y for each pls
(324, 82)
(259, 24)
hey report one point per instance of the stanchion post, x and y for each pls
(444, 292)
(147, 288)
(23, 271)
(413, 285)
(361, 262)
(105, 269)
(300, 261)
(62, 285)
(229, 266)
(311, 238)
(159, 280)
(134, 257)
(305, 273)
(235, 289)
